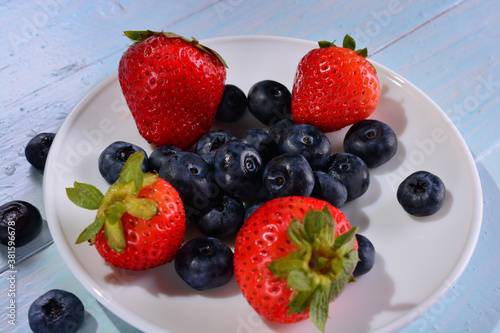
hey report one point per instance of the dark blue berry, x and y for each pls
(262, 142)
(366, 254)
(37, 149)
(421, 193)
(204, 263)
(269, 101)
(209, 142)
(56, 311)
(329, 189)
(277, 128)
(351, 171)
(372, 140)
(192, 177)
(286, 175)
(159, 155)
(238, 169)
(114, 156)
(20, 223)
(232, 105)
(252, 209)
(307, 140)
(224, 219)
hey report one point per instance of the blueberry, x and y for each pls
(262, 142)
(204, 263)
(209, 142)
(329, 189)
(252, 209)
(421, 193)
(114, 156)
(366, 254)
(232, 105)
(307, 140)
(37, 149)
(24, 218)
(56, 311)
(286, 175)
(277, 128)
(192, 177)
(238, 169)
(351, 171)
(224, 219)
(269, 101)
(372, 140)
(159, 155)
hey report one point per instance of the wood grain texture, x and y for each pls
(54, 52)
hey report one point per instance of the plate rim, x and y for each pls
(133, 319)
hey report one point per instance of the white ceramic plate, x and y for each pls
(418, 259)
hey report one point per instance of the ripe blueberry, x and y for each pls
(232, 105)
(307, 140)
(159, 155)
(238, 169)
(209, 142)
(24, 218)
(269, 101)
(56, 311)
(204, 263)
(372, 140)
(113, 158)
(37, 149)
(421, 193)
(351, 171)
(366, 254)
(285, 175)
(224, 219)
(329, 189)
(192, 177)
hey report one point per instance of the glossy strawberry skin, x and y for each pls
(152, 242)
(262, 239)
(334, 87)
(172, 89)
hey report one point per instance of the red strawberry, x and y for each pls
(334, 87)
(140, 222)
(172, 86)
(293, 256)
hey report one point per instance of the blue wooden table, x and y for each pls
(54, 52)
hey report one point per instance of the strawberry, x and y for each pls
(172, 86)
(334, 86)
(140, 222)
(292, 257)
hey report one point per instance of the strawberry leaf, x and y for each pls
(300, 302)
(283, 266)
(132, 171)
(299, 280)
(349, 43)
(89, 233)
(113, 229)
(362, 52)
(85, 195)
(141, 208)
(318, 310)
(313, 223)
(114, 213)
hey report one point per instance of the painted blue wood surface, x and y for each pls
(54, 52)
